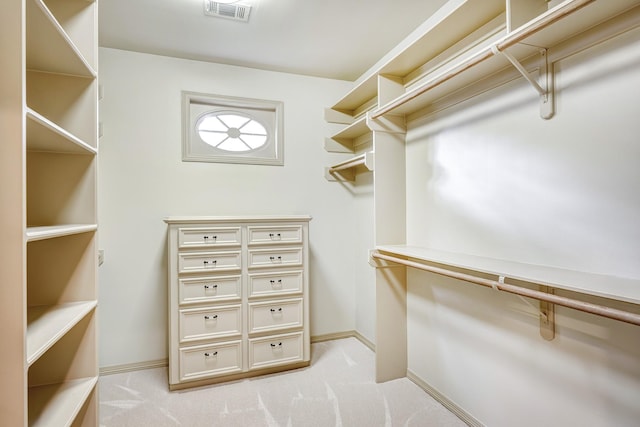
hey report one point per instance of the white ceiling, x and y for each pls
(338, 39)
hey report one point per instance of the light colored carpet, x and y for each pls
(338, 389)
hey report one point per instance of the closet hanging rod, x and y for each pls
(600, 310)
(509, 40)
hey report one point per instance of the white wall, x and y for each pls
(492, 178)
(142, 180)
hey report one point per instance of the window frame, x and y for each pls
(272, 153)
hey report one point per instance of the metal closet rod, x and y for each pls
(509, 40)
(600, 310)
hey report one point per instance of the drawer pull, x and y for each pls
(215, 353)
(275, 236)
(273, 258)
(206, 238)
(273, 282)
(279, 345)
(208, 317)
(211, 286)
(273, 310)
(206, 263)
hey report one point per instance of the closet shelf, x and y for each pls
(53, 231)
(44, 135)
(446, 27)
(349, 138)
(558, 24)
(346, 170)
(59, 404)
(49, 47)
(599, 285)
(47, 324)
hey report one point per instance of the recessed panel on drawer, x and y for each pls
(275, 350)
(209, 289)
(210, 360)
(275, 257)
(259, 235)
(270, 284)
(209, 322)
(206, 262)
(208, 237)
(274, 315)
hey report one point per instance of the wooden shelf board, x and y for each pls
(44, 135)
(47, 324)
(59, 404)
(442, 30)
(606, 286)
(53, 231)
(49, 48)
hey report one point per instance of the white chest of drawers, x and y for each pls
(238, 297)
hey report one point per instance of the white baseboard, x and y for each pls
(444, 401)
(130, 367)
(345, 334)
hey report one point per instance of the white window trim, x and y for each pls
(231, 103)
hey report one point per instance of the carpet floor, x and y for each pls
(337, 389)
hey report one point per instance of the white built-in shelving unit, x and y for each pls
(49, 140)
(466, 48)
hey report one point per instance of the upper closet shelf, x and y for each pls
(613, 287)
(49, 47)
(452, 23)
(44, 135)
(347, 140)
(547, 30)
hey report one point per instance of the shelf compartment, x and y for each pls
(49, 47)
(599, 285)
(68, 101)
(44, 135)
(348, 139)
(61, 188)
(47, 324)
(545, 31)
(59, 404)
(346, 170)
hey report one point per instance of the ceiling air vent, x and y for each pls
(237, 12)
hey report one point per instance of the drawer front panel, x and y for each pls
(210, 322)
(269, 258)
(275, 350)
(203, 237)
(270, 284)
(205, 262)
(275, 315)
(210, 360)
(265, 235)
(209, 289)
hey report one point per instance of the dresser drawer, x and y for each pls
(210, 360)
(275, 350)
(270, 284)
(209, 289)
(199, 262)
(275, 315)
(276, 257)
(203, 237)
(209, 322)
(263, 235)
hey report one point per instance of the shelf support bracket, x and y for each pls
(547, 317)
(545, 90)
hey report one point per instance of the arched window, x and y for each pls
(231, 130)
